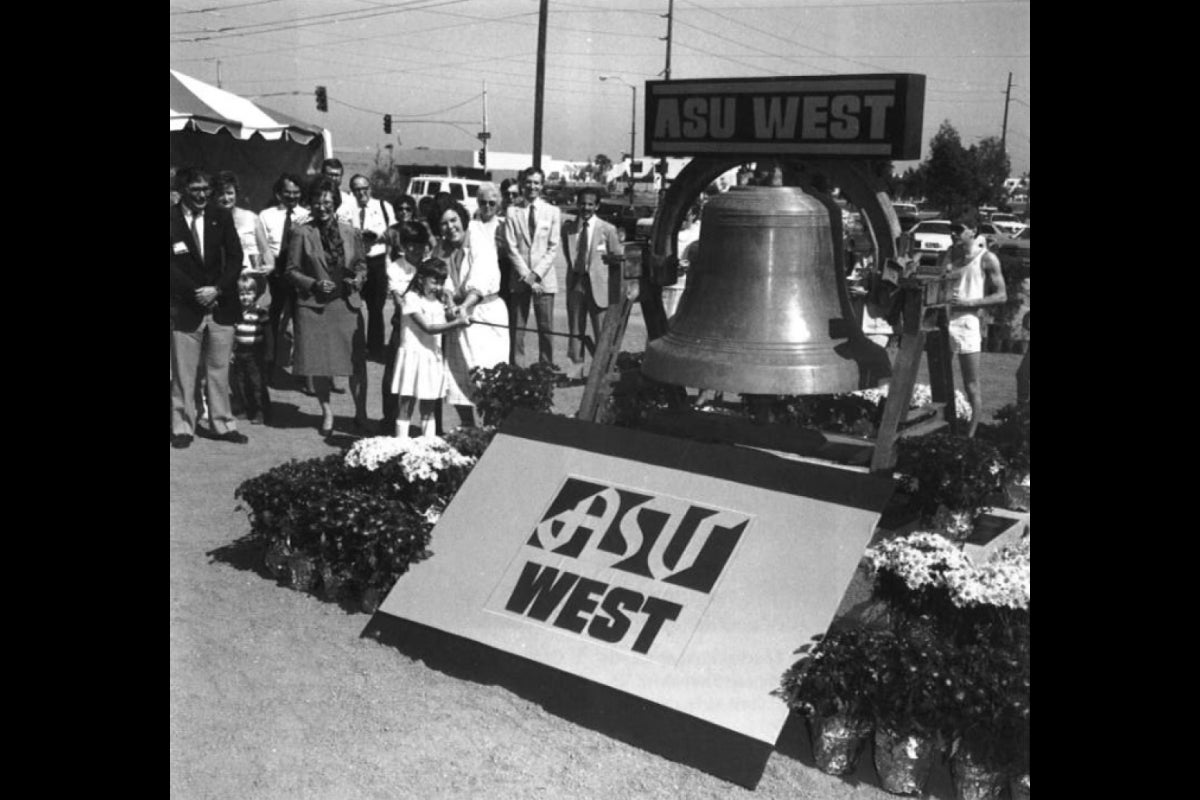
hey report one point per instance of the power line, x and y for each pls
(900, 4)
(443, 110)
(722, 57)
(789, 41)
(238, 31)
(222, 8)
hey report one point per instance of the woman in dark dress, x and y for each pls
(327, 265)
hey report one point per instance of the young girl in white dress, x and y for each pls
(420, 376)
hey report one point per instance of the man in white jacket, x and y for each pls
(533, 235)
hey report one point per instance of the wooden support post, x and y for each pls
(941, 370)
(598, 384)
(904, 378)
(612, 332)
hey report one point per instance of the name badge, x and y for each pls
(179, 248)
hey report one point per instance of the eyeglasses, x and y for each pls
(489, 202)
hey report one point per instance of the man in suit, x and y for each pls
(532, 238)
(594, 255)
(206, 258)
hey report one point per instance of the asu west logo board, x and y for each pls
(672, 581)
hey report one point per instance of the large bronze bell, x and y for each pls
(762, 312)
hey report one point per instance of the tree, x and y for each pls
(991, 170)
(385, 179)
(603, 165)
(950, 178)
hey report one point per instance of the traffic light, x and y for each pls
(322, 99)
(387, 123)
(483, 156)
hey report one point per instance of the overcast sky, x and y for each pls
(429, 59)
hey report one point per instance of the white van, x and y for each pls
(463, 190)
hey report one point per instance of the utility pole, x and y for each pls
(670, 20)
(484, 135)
(1004, 129)
(540, 89)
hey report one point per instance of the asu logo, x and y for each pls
(671, 552)
(662, 538)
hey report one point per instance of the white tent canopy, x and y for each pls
(196, 105)
(217, 130)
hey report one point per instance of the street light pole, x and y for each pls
(632, 126)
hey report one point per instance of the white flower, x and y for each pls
(922, 395)
(421, 459)
(930, 560)
(920, 559)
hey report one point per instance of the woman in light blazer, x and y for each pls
(327, 264)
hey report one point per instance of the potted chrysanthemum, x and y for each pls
(833, 687)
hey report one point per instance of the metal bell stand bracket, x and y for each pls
(924, 300)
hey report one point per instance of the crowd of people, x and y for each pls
(305, 283)
(252, 294)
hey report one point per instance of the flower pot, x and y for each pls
(1020, 787)
(838, 742)
(276, 560)
(903, 761)
(304, 573)
(973, 779)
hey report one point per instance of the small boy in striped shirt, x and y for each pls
(249, 396)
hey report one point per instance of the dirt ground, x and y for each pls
(275, 695)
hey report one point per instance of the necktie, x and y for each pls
(581, 258)
(198, 232)
(362, 218)
(532, 221)
(283, 242)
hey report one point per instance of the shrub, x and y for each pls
(500, 389)
(363, 518)
(635, 396)
(1010, 436)
(839, 675)
(952, 471)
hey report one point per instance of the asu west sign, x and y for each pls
(662, 585)
(621, 566)
(828, 116)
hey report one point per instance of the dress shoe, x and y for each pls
(235, 437)
(181, 441)
(257, 419)
(337, 389)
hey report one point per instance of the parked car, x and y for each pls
(995, 237)
(461, 189)
(1015, 252)
(906, 214)
(931, 238)
(1009, 224)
